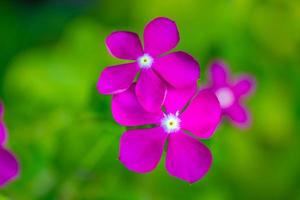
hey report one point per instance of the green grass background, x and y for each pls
(61, 129)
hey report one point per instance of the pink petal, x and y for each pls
(150, 91)
(177, 99)
(3, 134)
(127, 110)
(9, 167)
(238, 115)
(116, 79)
(202, 115)
(187, 158)
(160, 36)
(179, 69)
(124, 45)
(219, 74)
(244, 86)
(141, 150)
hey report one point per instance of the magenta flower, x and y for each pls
(186, 158)
(157, 72)
(9, 167)
(2, 126)
(231, 93)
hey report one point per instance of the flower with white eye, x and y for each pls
(231, 94)
(153, 68)
(141, 148)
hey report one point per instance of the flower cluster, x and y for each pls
(159, 89)
(9, 167)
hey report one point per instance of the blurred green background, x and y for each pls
(61, 129)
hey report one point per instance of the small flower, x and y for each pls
(141, 149)
(157, 72)
(9, 167)
(231, 93)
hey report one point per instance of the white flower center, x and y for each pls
(225, 97)
(145, 61)
(171, 122)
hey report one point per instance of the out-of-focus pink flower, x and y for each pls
(231, 93)
(141, 149)
(9, 167)
(3, 134)
(157, 72)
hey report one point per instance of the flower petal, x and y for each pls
(150, 91)
(219, 73)
(124, 45)
(116, 79)
(244, 86)
(3, 134)
(179, 69)
(238, 115)
(141, 150)
(187, 158)
(160, 36)
(177, 99)
(202, 115)
(9, 167)
(127, 110)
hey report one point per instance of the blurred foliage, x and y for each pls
(52, 53)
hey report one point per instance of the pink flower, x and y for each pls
(9, 167)
(2, 126)
(157, 72)
(186, 158)
(231, 94)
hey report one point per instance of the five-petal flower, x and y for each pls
(231, 93)
(186, 158)
(157, 72)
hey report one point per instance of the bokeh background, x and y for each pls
(61, 129)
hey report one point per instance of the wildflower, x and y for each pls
(9, 167)
(157, 72)
(186, 157)
(231, 94)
